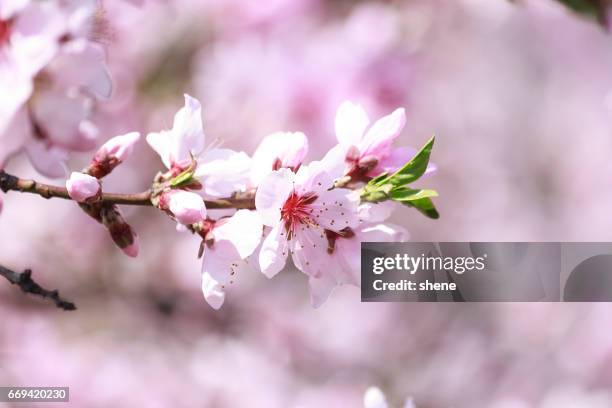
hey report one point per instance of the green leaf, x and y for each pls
(378, 178)
(394, 187)
(411, 171)
(375, 194)
(409, 194)
(590, 8)
(424, 206)
(183, 179)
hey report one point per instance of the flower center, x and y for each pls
(5, 31)
(297, 210)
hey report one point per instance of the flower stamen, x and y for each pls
(296, 211)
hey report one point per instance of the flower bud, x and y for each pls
(112, 153)
(83, 187)
(119, 147)
(132, 249)
(187, 207)
(121, 232)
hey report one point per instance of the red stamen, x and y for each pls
(296, 211)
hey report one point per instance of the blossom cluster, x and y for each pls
(277, 205)
(315, 213)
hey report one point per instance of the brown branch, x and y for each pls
(9, 182)
(28, 285)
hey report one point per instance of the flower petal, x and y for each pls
(334, 162)
(11, 102)
(223, 172)
(386, 232)
(161, 143)
(313, 178)
(274, 252)
(347, 252)
(59, 115)
(220, 262)
(243, 230)
(320, 289)
(376, 212)
(378, 140)
(15, 137)
(351, 123)
(288, 147)
(47, 160)
(213, 291)
(309, 250)
(272, 194)
(34, 36)
(81, 63)
(187, 132)
(334, 211)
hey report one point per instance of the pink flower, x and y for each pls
(278, 150)
(187, 207)
(221, 171)
(368, 152)
(49, 40)
(229, 242)
(345, 247)
(29, 33)
(28, 41)
(300, 208)
(345, 250)
(82, 187)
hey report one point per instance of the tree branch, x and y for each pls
(27, 285)
(9, 182)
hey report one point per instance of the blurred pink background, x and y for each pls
(520, 99)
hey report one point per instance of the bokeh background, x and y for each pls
(519, 95)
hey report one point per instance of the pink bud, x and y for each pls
(82, 187)
(132, 249)
(119, 147)
(187, 207)
(112, 153)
